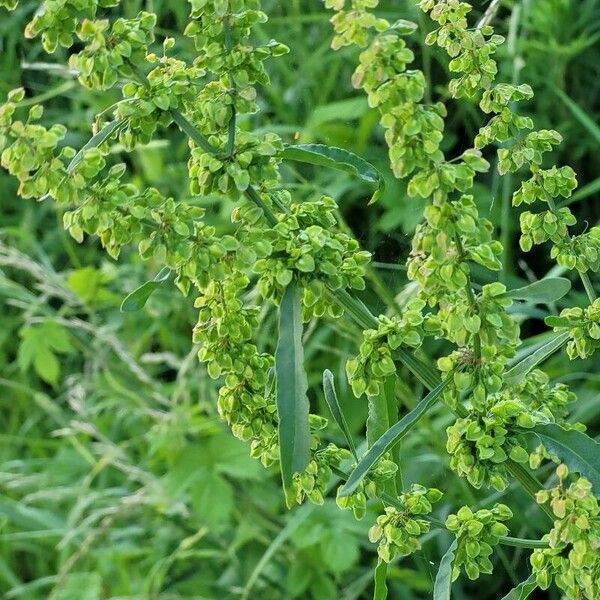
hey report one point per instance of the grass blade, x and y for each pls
(338, 159)
(577, 450)
(390, 438)
(523, 590)
(336, 410)
(443, 579)
(292, 401)
(380, 575)
(518, 371)
(138, 298)
(544, 291)
(579, 114)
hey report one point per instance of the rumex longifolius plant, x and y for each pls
(294, 255)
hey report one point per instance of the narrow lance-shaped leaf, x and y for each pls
(577, 450)
(523, 590)
(518, 372)
(336, 410)
(94, 142)
(338, 159)
(380, 575)
(292, 401)
(546, 290)
(138, 298)
(443, 579)
(391, 437)
(380, 419)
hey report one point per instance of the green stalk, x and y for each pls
(585, 278)
(470, 294)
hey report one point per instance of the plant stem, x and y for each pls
(585, 279)
(470, 295)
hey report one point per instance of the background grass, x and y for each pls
(117, 479)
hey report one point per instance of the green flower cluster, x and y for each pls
(31, 153)
(452, 233)
(486, 318)
(370, 487)
(583, 325)
(573, 559)
(477, 533)
(470, 50)
(306, 242)
(352, 27)
(397, 531)
(255, 159)
(111, 49)
(480, 444)
(57, 20)
(475, 377)
(581, 252)
(375, 362)
(148, 102)
(224, 331)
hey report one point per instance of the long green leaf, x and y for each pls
(391, 437)
(292, 401)
(424, 372)
(546, 290)
(94, 142)
(443, 579)
(380, 575)
(138, 298)
(579, 114)
(338, 159)
(523, 590)
(576, 449)
(336, 410)
(518, 371)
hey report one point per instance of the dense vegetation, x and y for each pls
(378, 234)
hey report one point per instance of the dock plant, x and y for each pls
(293, 255)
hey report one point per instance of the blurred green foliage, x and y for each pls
(117, 480)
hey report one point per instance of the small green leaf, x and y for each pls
(292, 401)
(336, 410)
(518, 371)
(546, 290)
(523, 590)
(338, 159)
(379, 578)
(390, 438)
(94, 142)
(443, 579)
(576, 449)
(556, 321)
(138, 298)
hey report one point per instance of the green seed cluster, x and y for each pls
(352, 22)
(312, 483)
(583, 325)
(375, 362)
(480, 444)
(470, 50)
(254, 160)
(57, 20)
(573, 559)
(306, 243)
(397, 531)
(477, 533)
(111, 50)
(371, 486)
